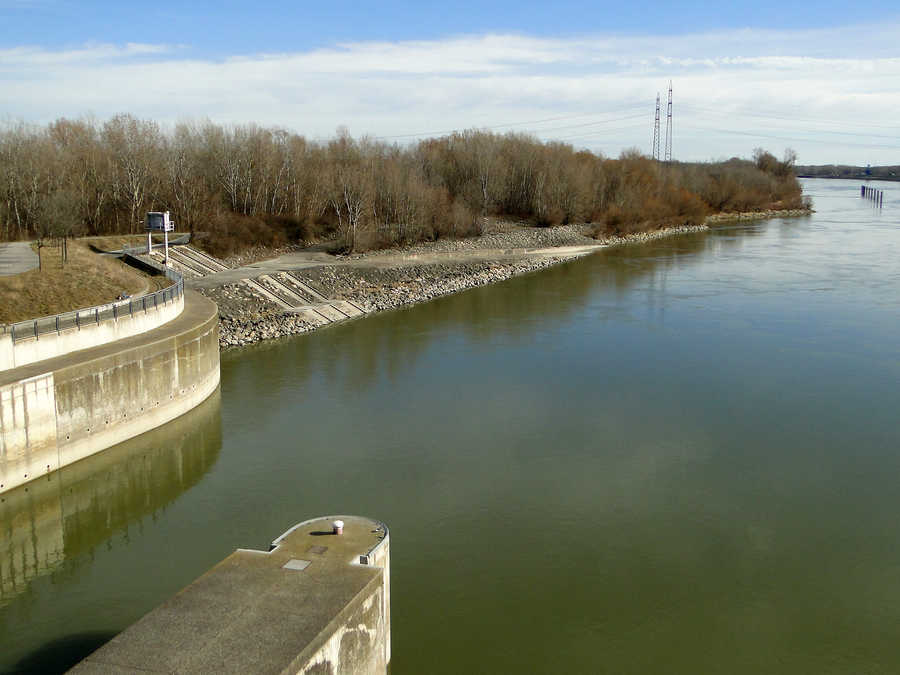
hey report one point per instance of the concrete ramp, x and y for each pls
(348, 308)
(331, 312)
(265, 293)
(310, 315)
(186, 260)
(304, 287)
(209, 261)
(282, 290)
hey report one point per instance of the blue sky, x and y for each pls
(822, 78)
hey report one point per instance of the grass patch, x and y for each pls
(87, 279)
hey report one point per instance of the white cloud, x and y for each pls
(831, 94)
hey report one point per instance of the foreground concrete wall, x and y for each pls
(316, 603)
(90, 334)
(92, 400)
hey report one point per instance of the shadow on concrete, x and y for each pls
(58, 656)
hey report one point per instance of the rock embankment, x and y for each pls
(378, 289)
(390, 278)
(497, 234)
(245, 318)
(756, 215)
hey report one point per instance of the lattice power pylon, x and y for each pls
(668, 125)
(656, 131)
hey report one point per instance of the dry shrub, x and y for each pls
(232, 233)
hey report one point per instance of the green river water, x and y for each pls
(678, 457)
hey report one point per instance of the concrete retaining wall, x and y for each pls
(58, 411)
(62, 518)
(90, 334)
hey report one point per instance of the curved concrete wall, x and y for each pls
(58, 411)
(90, 334)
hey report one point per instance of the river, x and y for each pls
(678, 457)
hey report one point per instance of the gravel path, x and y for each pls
(17, 257)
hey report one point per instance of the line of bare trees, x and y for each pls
(248, 185)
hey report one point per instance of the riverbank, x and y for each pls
(397, 277)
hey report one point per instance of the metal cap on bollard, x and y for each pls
(338, 526)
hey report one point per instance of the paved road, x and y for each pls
(16, 257)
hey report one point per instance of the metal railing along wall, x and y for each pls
(80, 318)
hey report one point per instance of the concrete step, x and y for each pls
(200, 267)
(329, 311)
(202, 258)
(291, 282)
(188, 272)
(348, 308)
(303, 286)
(282, 290)
(310, 315)
(264, 292)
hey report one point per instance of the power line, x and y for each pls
(793, 139)
(600, 132)
(782, 118)
(669, 126)
(515, 124)
(656, 130)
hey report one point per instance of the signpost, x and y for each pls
(158, 221)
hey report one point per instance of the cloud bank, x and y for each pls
(830, 94)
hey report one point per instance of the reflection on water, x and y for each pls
(72, 511)
(527, 305)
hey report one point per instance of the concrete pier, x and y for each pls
(316, 602)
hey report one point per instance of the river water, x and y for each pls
(679, 457)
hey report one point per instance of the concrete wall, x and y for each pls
(90, 334)
(358, 641)
(82, 506)
(92, 400)
(316, 603)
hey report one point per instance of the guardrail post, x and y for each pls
(130, 308)
(77, 323)
(115, 312)
(35, 330)
(57, 323)
(97, 315)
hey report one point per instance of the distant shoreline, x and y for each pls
(887, 179)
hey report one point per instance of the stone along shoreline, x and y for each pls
(394, 278)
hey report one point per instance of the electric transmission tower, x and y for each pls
(668, 124)
(656, 131)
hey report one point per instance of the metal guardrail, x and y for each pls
(80, 318)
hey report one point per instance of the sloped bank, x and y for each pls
(393, 278)
(374, 285)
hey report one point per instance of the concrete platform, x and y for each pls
(315, 603)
